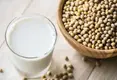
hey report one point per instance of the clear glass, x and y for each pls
(31, 67)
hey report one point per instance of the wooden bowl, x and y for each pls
(86, 51)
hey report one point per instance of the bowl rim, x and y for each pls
(65, 33)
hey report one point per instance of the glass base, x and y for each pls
(39, 75)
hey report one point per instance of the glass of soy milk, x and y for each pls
(31, 40)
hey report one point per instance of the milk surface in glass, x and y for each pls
(31, 39)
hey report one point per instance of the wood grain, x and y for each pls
(107, 71)
(82, 69)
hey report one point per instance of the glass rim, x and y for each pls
(38, 15)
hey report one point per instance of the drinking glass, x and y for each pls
(31, 67)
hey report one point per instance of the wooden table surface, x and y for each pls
(83, 70)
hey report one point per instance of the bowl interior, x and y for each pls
(90, 52)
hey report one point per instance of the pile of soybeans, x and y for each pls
(92, 23)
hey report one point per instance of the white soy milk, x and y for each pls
(32, 40)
